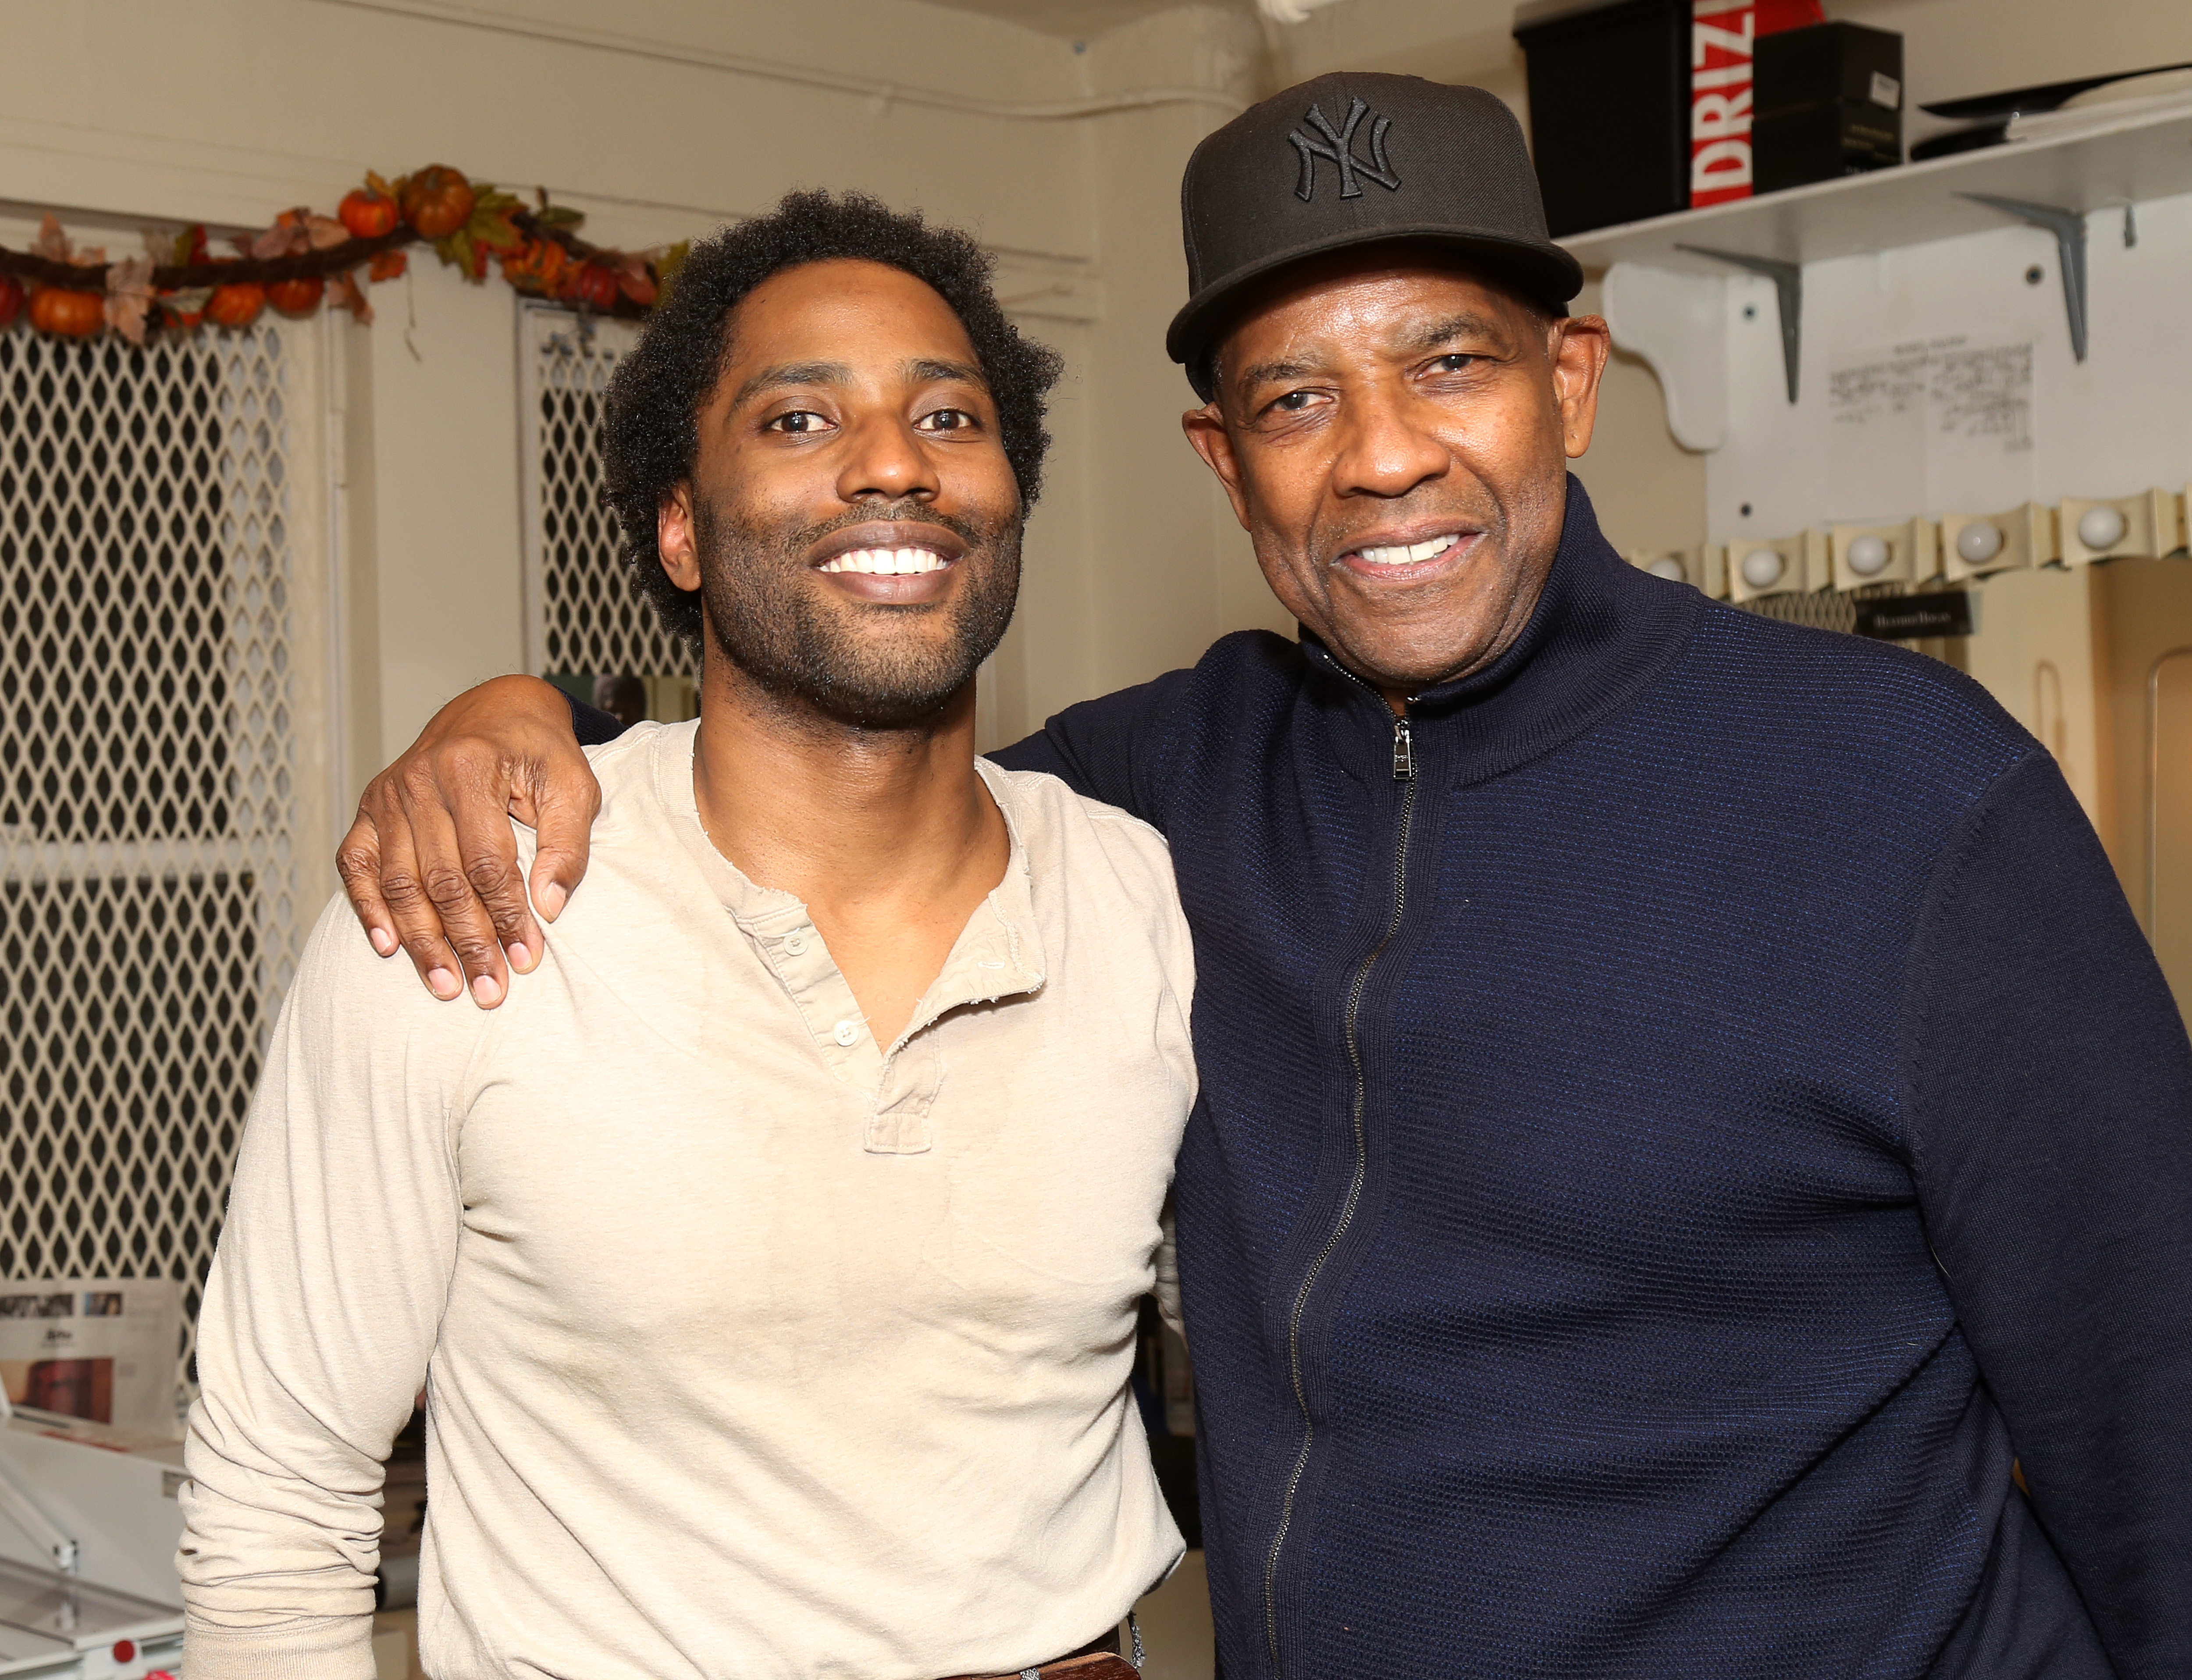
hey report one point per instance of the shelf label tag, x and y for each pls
(1910, 618)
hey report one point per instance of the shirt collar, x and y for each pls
(998, 954)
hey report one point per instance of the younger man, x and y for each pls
(772, 1258)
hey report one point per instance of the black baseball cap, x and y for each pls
(1353, 158)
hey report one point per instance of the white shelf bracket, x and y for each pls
(2069, 227)
(1788, 278)
(1678, 324)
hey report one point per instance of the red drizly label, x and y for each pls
(1721, 35)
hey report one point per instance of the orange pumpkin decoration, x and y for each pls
(237, 303)
(367, 214)
(76, 315)
(299, 296)
(537, 266)
(438, 201)
(11, 300)
(591, 285)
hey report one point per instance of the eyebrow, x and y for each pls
(1442, 331)
(964, 371)
(1461, 326)
(922, 370)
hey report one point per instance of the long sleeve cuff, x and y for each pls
(310, 1647)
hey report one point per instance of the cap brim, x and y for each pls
(1543, 271)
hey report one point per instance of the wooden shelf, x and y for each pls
(2141, 156)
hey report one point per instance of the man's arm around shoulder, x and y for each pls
(320, 1316)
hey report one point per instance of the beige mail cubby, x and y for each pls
(2151, 524)
(1979, 545)
(1864, 555)
(1778, 566)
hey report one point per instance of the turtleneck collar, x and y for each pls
(1603, 630)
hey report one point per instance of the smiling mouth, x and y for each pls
(1398, 557)
(894, 562)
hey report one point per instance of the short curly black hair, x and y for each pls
(649, 422)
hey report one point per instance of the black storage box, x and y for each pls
(1609, 109)
(1827, 61)
(1828, 102)
(1819, 142)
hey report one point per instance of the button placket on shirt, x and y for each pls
(985, 965)
(998, 955)
(796, 950)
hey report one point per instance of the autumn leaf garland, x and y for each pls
(306, 259)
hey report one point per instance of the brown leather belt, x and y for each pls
(1098, 1660)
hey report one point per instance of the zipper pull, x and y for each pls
(1404, 752)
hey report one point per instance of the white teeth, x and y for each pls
(1402, 554)
(887, 562)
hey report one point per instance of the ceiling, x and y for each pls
(1077, 19)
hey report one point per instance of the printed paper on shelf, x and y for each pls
(1723, 35)
(102, 1349)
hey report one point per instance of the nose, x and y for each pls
(1384, 451)
(885, 460)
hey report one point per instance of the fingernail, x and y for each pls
(442, 984)
(486, 990)
(521, 956)
(383, 941)
(551, 899)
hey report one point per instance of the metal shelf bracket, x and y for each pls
(1788, 278)
(2069, 227)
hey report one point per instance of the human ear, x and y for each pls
(1205, 430)
(674, 539)
(1580, 347)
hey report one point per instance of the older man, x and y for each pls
(1684, 1106)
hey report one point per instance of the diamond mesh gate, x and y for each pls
(584, 618)
(149, 797)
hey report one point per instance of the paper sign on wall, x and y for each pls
(1940, 423)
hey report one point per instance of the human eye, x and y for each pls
(1454, 362)
(949, 419)
(1292, 402)
(797, 423)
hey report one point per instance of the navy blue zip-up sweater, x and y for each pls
(1659, 1161)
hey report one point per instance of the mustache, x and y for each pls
(974, 533)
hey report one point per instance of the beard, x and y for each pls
(768, 619)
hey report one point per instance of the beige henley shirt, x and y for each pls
(753, 1347)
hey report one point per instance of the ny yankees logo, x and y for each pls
(1341, 151)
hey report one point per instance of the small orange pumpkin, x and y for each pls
(237, 303)
(537, 266)
(70, 314)
(438, 201)
(298, 296)
(593, 285)
(367, 214)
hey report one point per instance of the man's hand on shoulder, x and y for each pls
(430, 863)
